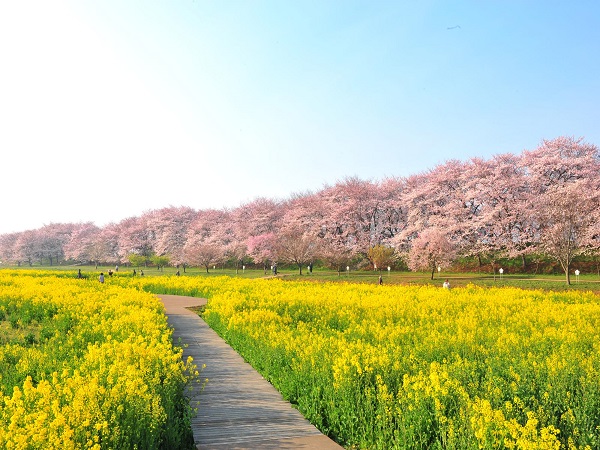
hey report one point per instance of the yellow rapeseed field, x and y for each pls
(85, 365)
(374, 367)
(395, 367)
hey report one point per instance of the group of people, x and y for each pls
(110, 273)
(446, 284)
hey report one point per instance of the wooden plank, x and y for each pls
(238, 408)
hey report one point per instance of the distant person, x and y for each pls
(178, 274)
(380, 279)
(110, 272)
(79, 274)
(141, 273)
(134, 273)
(446, 284)
(116, 268)
(101, 278)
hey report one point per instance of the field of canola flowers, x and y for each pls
(88, 366)
(84, 365)
(392, 367)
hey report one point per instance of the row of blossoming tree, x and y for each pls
(544, 202)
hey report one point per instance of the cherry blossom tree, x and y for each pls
(561, 160)
(335, 254)
(430, 250)
(258, 217)
(135, 238)
(501, 224)
(8, 248)
(566, 216)
(436, 199)
(294, 246)
(202, 254)
(261, 249)
(106, 247)
(26, 246)
(51, 240)
(253, 228)
(82, 243)
(350, 212)
(204, 246)
(392, 211)
(560, 167)
(228, 236)
(169, 229)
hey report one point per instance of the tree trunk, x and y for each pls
(523, 262)
(567, 273)
(432, 272)
(300, 266)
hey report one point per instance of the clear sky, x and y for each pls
(111, 108)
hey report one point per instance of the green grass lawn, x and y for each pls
(526, 281)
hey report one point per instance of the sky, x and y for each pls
(110, 109)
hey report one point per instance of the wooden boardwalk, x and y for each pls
(238, 408)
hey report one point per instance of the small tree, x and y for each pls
(381, 256)
(336, 255)
(203, 254)
(160, 261)
(429, 250)
(295, 247)
(136, 260)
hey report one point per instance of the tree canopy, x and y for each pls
(543, 201)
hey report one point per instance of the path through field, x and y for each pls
(238, 408)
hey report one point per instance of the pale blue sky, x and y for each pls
(111, 108)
